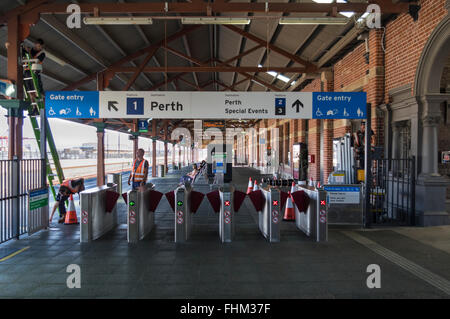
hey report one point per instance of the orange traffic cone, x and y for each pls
(250, 186)
(71, 215)
(289, 212)
(318, 185)
(256, 187)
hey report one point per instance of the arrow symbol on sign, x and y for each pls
(297, 105)
(112, 104)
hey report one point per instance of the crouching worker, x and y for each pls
(66, 189)
(190, 176)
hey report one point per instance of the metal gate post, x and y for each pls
(133, 217)
(321, 218)
(226, 219)
(413, 191)
(15, 183)
(86, 217)
(182, 215)
(274, 216)
(368, 167)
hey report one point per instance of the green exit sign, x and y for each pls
(131, 203)
(180, 203)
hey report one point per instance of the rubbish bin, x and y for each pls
(161, 171)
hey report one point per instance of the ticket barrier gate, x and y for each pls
(98, 211)
(141, 216)
(226, 201)
(268, 202)
(269, 217)
(313, 222)
(226, 218)
(183, 216)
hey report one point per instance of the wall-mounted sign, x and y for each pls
(38, 198)
(343, 194)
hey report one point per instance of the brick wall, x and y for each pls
(405, 40)
(392, 63)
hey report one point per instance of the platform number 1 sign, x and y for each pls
(135, 105)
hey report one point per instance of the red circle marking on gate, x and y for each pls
(275, 220)
(84, 213)
(85, 220)
(227, 213)
(132, 220)
(274, 213)
(180, 220)
(322, 212)
(323, 219)
(180, 213)
(132, 213)
(227, 220)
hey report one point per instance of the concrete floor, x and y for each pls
(250, 267)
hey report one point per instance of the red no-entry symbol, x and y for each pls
(275, 203)
(322, 202)
(227, 203)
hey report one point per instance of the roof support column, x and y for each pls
(135, 134)
(11, 136)
(15, 120)
(166, 162)
(100, 153)
(154, 148)
(173, 156)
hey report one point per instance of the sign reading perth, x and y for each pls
(206, 105)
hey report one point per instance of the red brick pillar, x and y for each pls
(327, 156)
(376, 85)
(314, 149)
(327, 149)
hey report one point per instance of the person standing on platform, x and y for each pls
(139, 172)
(359, 144)
(66, 189)
(36, 53)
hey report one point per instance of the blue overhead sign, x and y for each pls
(143, 126)
(72, 104)
(206, 105)
(339, 105)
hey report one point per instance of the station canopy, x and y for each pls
(174, 55)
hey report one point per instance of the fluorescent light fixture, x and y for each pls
(55, 58)
(317, 20)
(215, 20)
(118, 20)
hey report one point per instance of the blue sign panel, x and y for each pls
(280, 106)
(341, 189)
(135, 105)
(339, 105)
(143, 126)
(72, 104)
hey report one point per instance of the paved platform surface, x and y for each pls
(414, 262)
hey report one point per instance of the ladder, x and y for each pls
(39, 103)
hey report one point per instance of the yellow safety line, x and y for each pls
(14, 254)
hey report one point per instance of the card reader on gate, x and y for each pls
(218, 167)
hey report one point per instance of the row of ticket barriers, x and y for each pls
(99, 211)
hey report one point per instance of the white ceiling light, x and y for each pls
(318, 20)
(118, 20)
(54, 58)
(215, 20)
